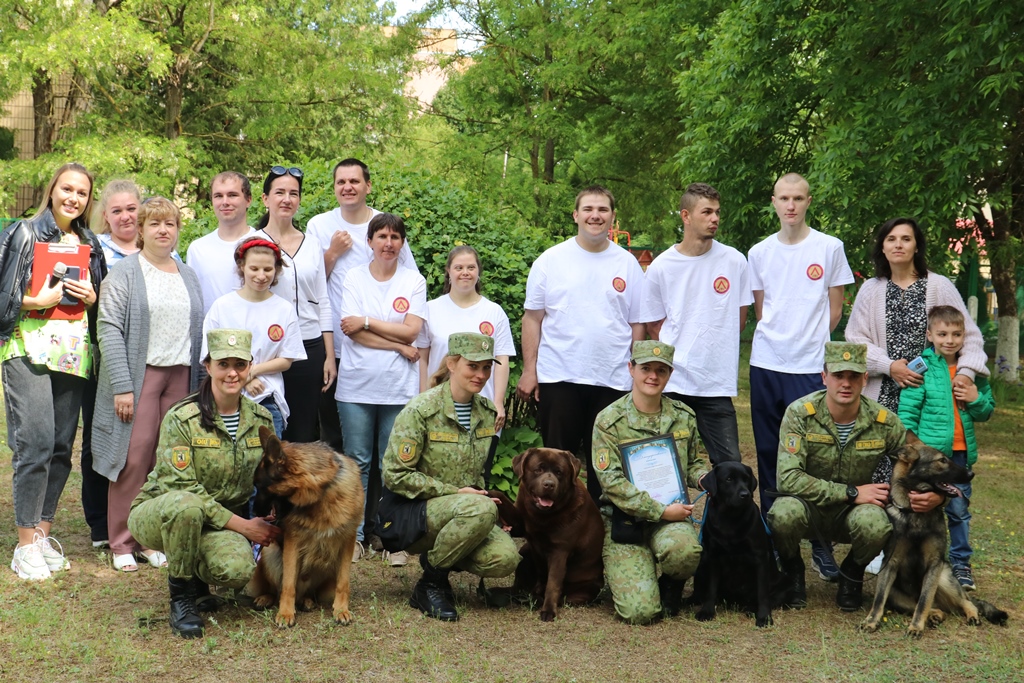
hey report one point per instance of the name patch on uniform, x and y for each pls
(181, 457)
(792, 442)
(447, 437)
(820, 438)
(484, 432)
(205, 442)
(252, 442)
(870, 443)
(601, 462)
(406, 450)
(681, 434)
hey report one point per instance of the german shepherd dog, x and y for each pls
(317, 497)
(917, 578)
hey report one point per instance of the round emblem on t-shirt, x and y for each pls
(619, 284)
(814, 271)
(275, 332)
(721, 284)
(486, 328)
(401, 304)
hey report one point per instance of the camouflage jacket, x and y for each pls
(207, 462)
(430, 454)
(622, 422)
(813, 466)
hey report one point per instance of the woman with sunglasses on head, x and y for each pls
(304, 285)
(45, 362)
(150, 323)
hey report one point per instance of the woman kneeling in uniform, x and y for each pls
(668, 537)
(193, 503)
(436, 453)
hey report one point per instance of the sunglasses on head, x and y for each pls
(281, 170)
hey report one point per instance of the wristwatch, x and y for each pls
(366, 323)
(851, 494)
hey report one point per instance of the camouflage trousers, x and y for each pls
(173, 523)
(461, 534)
(631, 570)
(865, 527)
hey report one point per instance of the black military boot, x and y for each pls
(849, 596)
(185, 620)
(205, 601)
(432, 594)
(671, 594)
(796, 586)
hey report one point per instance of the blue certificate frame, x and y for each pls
(652, 465)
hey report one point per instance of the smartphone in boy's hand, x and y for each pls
(918, 365)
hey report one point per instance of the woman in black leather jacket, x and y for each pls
(44, 364)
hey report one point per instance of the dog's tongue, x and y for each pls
(951, 490)
(545, 503)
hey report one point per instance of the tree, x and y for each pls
(912, 111)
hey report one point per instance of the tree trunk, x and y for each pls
(172, 111)
(1004, 282)
(42, 121)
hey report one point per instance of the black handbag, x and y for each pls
(400, 521)
(627, 528)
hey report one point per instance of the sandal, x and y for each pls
(125, 563)
(155, 558)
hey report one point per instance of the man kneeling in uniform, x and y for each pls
(830, 443)
(668, 537)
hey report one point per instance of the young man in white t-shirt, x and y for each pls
(581, 319)
(212, 256)
(696, 296)
(797, 276)
(341, 233)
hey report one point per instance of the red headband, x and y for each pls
(249, 244)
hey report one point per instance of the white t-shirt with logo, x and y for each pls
(445, 317)
(700, 299)
(379, 376)
(589, 301)
(213, 259)
(322, 227)
(795, 278)
(303, 283)
(275, 334)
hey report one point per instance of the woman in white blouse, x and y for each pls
(304, 284)
(150, 328)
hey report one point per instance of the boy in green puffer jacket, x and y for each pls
(943, 417)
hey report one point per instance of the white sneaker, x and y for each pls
(359, 552)
(399, 559)
(54, 557)
(875, 565)
(28, 563)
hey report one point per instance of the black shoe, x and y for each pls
(823, 562)
(205, 601)
(430, 595)
(671, 594)
(850, 594)
(796, 585)
(185, 620)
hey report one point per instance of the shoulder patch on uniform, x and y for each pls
(252, 442)
(181, 457)
(189, 410)
(883, 415)
(484, 432)
(406, 450)
(791, 442)
(681, 434)
(601, 459)
(445, 437)
(809, 407)
(820, 438)
(869, 444)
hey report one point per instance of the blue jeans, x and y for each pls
(958, 513)
(360, 423)
(716, 425)
(271, 405)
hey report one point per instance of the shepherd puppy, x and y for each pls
(563, 529)
(317, 497)
(916, 577)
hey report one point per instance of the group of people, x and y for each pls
(328, 334)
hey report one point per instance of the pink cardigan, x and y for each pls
(867, 326)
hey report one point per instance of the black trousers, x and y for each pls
(302, 384)
(330, 424)
(566, 414)
(716, 425)
(94, 485)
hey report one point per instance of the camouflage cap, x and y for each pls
(228, 343)
(471, 346)
(841, 356)
(650, 350)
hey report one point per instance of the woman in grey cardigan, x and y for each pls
(150, 335)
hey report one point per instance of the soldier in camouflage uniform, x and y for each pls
(669, 537)
(432, 456)
(192, 507)
(830, 443)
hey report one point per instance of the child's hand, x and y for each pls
(965, 393)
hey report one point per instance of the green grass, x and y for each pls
(93, 624)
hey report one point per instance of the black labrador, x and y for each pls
(737, 563)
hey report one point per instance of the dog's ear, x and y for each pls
(912, 439)
(271, 445)
(574, 462)
(710, 482)
(519, 462)
(908, 454)
(265, 436)
(751, 479)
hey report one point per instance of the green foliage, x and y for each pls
(514, 440)
(7, 149)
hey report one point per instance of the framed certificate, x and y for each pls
(652, 465)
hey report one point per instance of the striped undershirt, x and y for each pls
(462, 411)
(844, 432)
(231, 423)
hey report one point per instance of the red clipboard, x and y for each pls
(44, 257)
